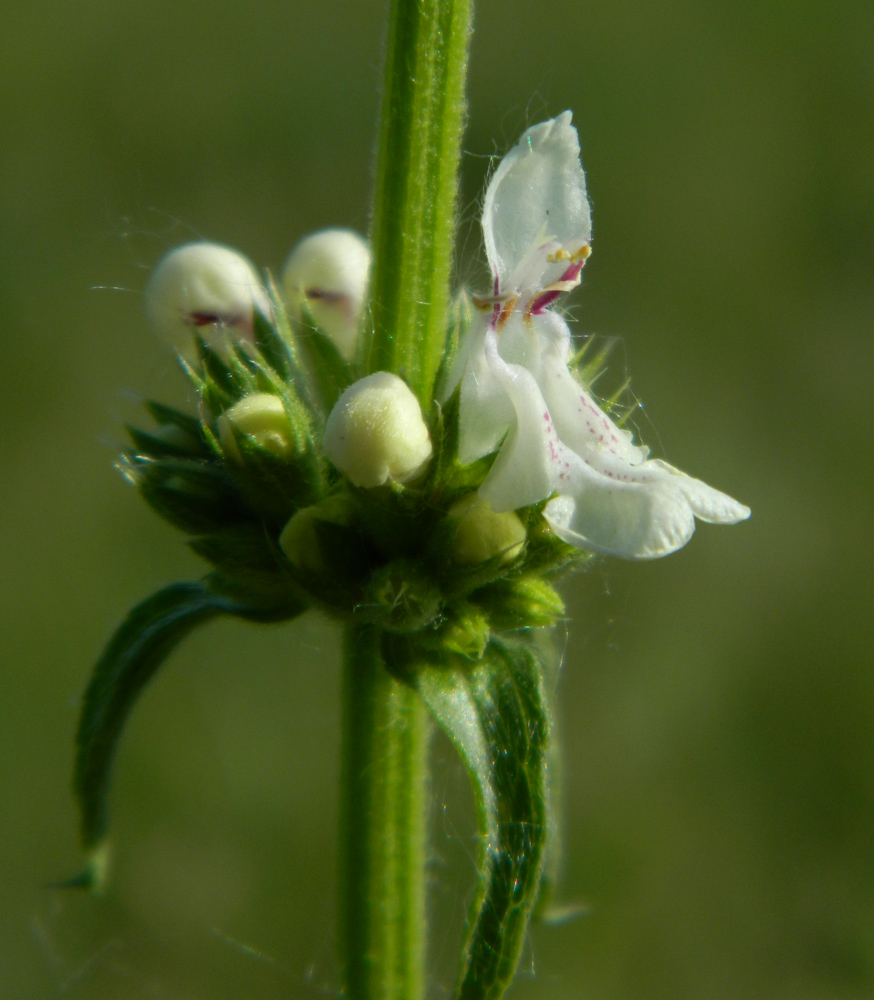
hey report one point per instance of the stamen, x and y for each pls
(568, 282)
(505, 312)
(501, 306)
(560, 254)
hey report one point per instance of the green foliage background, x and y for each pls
(717, 706)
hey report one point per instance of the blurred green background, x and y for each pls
(717, 706)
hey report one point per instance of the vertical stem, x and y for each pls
(382, 834)
(422, 118)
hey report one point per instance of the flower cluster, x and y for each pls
(306, 480)
(339, 469)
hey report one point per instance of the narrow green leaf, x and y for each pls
(508, 692)
(140, 645)
(496, 716)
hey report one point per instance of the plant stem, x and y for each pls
(382, 833)
(422, 117)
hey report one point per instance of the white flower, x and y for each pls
(376, 434)
(205, 289)
(518, 393)
(329, 271)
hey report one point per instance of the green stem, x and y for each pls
(382, 834)
(423, 113)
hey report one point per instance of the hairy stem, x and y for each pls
(382, 835)
(422, 117)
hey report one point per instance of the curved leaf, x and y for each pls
(496, 716)
(140, 645)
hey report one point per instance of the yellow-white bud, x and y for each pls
(483, 534)
(329, 271)
(299, 540)
(261, 417)
(205, 289)
(376, 433)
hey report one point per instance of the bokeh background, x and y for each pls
(717, 706)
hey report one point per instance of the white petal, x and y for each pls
(618, 519)
(538, 186)
(707, 504)
(637, 520)
(532, 462)
(207, 289)
(485, 409)
(329, 271)
(581, 424)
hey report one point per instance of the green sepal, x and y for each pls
(214, 379)
(168, 416)
(520, 602)
(400, 597)
(192, 494)
(329, 372)
(496, 715)
(461, 315)
(447, 478)
(138, 648)
(345, 551)
(274, 348)
(273, 487)
(397, 518)
(251, 569)
(589, 364)
(179, 434)
(545, 552)
(170, 443)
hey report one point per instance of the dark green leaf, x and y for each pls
(139, 647)
(496, 716)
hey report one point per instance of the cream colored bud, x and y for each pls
(261, 417)
(482, 534)
(299, 540)
(376, 433)
(204, 289)
(329, 272)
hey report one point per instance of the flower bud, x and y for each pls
(262, 418)
(376, 433)
(299, 540)
(482, 534)
(205, 289)
(329, 271)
